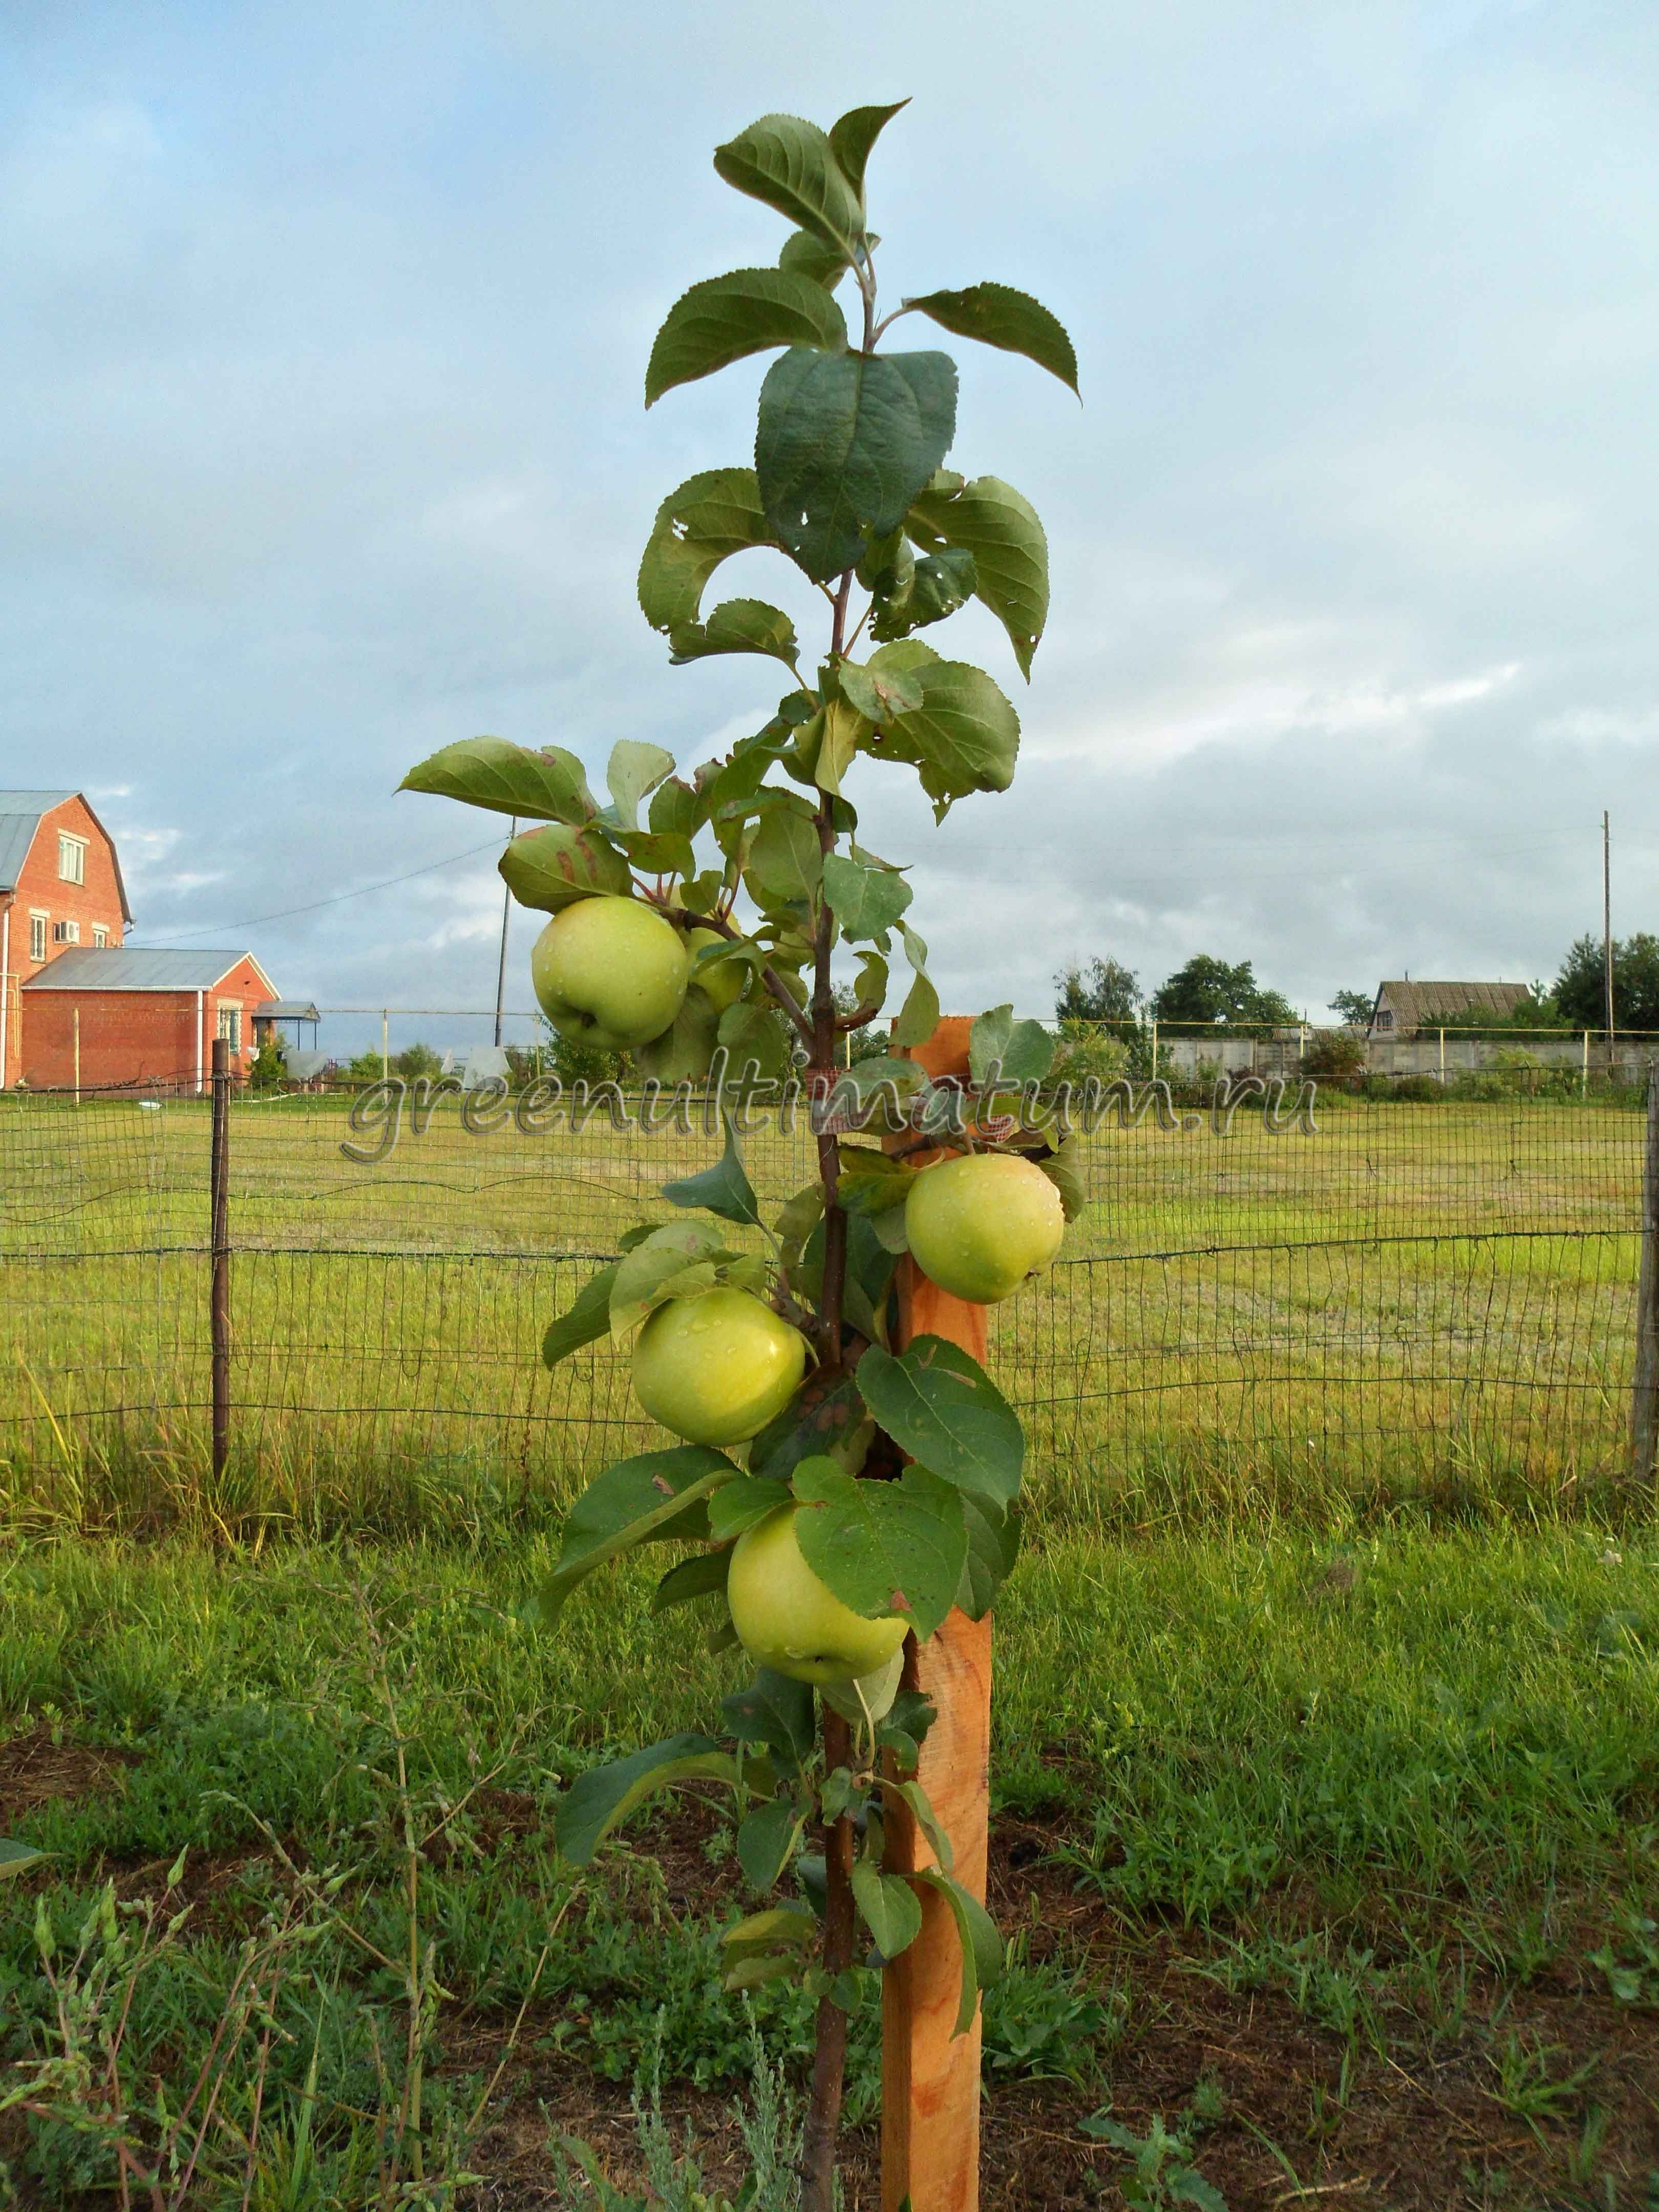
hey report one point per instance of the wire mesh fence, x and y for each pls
(1402, 1298)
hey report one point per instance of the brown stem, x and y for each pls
(817, 2154)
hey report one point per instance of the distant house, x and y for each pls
(75, 1003)
(60, 887)
(139, 1018)
(1403, 1008)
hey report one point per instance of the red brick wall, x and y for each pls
(97, 902)
(136, 1037)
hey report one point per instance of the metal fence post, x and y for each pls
(219, 1292)
(1644, 1394)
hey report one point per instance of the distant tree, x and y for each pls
(1104, 991)
(1211, 990)
(1354, 1007)
(416, 1061)
(1579, 991)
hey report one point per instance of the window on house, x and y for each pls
(37, 936)
(99, 937)
(1385, 1020)
(230, 1026)
(71, 858)
(66, 932)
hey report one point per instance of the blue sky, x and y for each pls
(323, 444)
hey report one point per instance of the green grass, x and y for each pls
(1418, 1306)
(1354, 1777)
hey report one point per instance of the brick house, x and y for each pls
(139, 1016)
(1402, 1008)
(60, 887)
(67, 980)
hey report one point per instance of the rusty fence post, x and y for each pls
(1644, 1393)
(219, 1290)
(930, 2077)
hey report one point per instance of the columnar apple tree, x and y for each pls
(833, 1490)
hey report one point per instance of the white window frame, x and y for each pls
(100, 938)
(230, 1026)
(38, 934)
(71, 858)
(66, 932)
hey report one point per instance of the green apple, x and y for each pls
(979, 1225)
(609, 972)
(724, 983)
(716, 1369)
(787, 1619)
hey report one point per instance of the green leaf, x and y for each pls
(677, 809)
(666, 853)
(866, 900)
(939, 1405)
(999, 527)
(885, 1548)
(993, 1546)
(982, 1946)
(854, 135)
(635, 1502)
(890, 1908)
(784, 1927)
(642, 1274)
(767, 1840)
(736, 626)
(776, 1710)
(552, 868)
(869, 1696)
(829, 743)
(872, 1182)
(877, 694)
(710, 517)
(845, 442)
(997, 315)
(753, 1030)
(921, 1807)
(918, 1018)
(1025, 1049)
(964, 737)
(738, 1506)
(870, 984)
(723, 1189)
(822, 1416)
(788, 163)
(545, 786)
(598, 1800)
(686, 1047)
(1067, 1170)
(701, 1575)
(634, 769)
(934, 589)
(785, 857)
(587, 1319)
(726, 318)
(16, 1858)
(803, 255)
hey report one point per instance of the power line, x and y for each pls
(228, 928)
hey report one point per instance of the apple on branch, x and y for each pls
(979, 1225)
(716, 1369)
(787, 1619)
(609, 972)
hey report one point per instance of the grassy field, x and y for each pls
(1328, 1764)
(1418, 1302)
(1336, 1863)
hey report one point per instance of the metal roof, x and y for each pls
(287, 1010)
(19, 817)
(90, 969)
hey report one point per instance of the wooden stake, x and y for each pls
(930, 2077)
(1644, 1393)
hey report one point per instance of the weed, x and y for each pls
(1160, 2173)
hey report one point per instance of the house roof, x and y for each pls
(92, 969)
(21, 813)
(1422, 1005)
(287, 1010)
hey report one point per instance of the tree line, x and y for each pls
(1205, 990)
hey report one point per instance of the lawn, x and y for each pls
(1327, 1778)
(1337, 1861)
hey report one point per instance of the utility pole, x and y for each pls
(1606, 925)
(501, 973)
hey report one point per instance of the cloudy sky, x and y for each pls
(322, 444)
